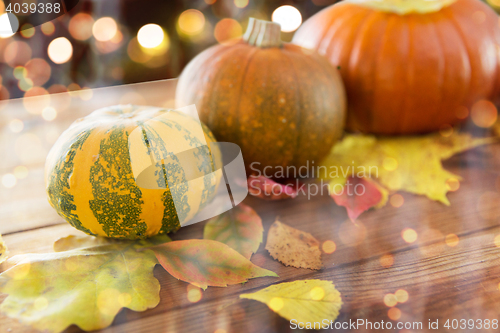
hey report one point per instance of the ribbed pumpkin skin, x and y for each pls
(283, 106)
(89, 178)
(408, 73)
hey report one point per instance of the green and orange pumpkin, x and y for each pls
(282, 104)
(90, 180)
(409, 66)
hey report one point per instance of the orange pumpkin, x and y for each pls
(409, 66)
(282, 104)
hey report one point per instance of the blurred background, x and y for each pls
(104, 43)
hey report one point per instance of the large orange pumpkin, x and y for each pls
(282, 104)
(409, 66)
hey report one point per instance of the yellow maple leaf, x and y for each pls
(306, 301)
(411, 164)
(3, 251)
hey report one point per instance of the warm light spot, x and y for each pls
(479, 17)
(104, 29)
(117, 73)
(48, 28)
(80, 26)
(397, 200)
(38, 71)
(484, 113)
(16, 125)
(136, 53)
(494, 3)
(227, 29)
(60, 50)
(329, 246)
(487, 205)
(71, 264)
(150, 36)
(220, 330)
(394, 314)
(40, 304)
(390, 164)
(352, 234)
(288, 17)
(73, 88)
(317, 294)
(497, 241)
(25, 84)
(241, 3)
(6, 25)
(49, 113)
(21, 172)
(210, 2)
(409, 235)
(27, 30)
(17, 53)
(20, 72)
(276, 304)
(39, 101)
(191, 22)
(446, 130)
(461, 112)
(451, 240)
(193, 294)
(86, 93)
(387, 260)
(108, 301)
(9, 180)
(390, 300)
(452, 184)
(401, 295)
(21, 271)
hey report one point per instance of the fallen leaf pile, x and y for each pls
(293, 247)
(411, 164)
(240, 228)
(3, 250)
(302, 300)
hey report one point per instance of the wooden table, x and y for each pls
(443, 282)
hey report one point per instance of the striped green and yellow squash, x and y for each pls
(90, 179)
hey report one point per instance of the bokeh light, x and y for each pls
(9, 180)
(390, 164)
(17, 53)
(397, 200)
(352, 234)
(227, 29)
(329, 247)
(27, 30)
(451, 240)
(394, 314)
(49, 113)
(241, 3)
(38, 71)
(191, 22)
(387, 260)
(80, 26)
(317, 293)
(60, 50)
(461, 112)
(452, 184)
(446, 130)
(48, 28)
(39, 101)
(21, 172)
(16, 125)
(401, 295)
(288, 17)
(409, 235)
(150, 36)
(484, 113)
(194, 294)
(5, 22)
(276, 304)
(104, 29)
(390, 300)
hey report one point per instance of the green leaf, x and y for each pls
(204, 263)
(240, 228)
(302, 300)
(87, 283)
(3, 250)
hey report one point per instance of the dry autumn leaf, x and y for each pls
(306, 301)
(3, 250)
(293, 247)
(205, 263)
(86, 284)
(411, 164)
(267, 189)
(240, 228)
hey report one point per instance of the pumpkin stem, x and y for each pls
(262, 33)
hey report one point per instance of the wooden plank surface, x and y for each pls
(443, 282)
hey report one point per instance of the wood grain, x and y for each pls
(443, 282)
